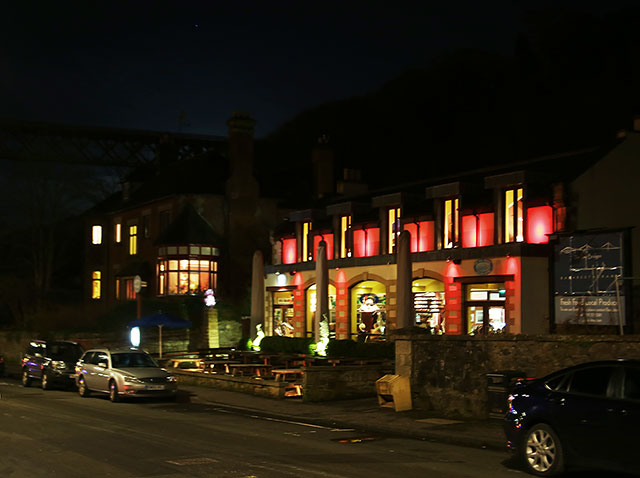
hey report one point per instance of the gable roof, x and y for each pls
(189, 228)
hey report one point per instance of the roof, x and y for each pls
(188, 228)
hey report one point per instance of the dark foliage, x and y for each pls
(370, 350)
(288, 345)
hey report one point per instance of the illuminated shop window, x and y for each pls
(117, 289)
(312, 303)
(513, 215)
(345, 225)
(186, 275)
(117, 233)
(96, 234)
(393, 228)
(133, 240)
(451, 214)
(428, 304)
(96, 285)
(306, 229)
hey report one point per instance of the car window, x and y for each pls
(132, 359)
(99, 357)
(559, 383)
(86, 358)
(65, 351)
(591, 381)
(631, 389)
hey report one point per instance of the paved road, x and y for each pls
(58, 433)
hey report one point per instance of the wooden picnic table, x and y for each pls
(258, 369)
(219, 365)
(284, 374)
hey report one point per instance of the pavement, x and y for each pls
(364, 415)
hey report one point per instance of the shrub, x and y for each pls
(367, 350)
(290, 345)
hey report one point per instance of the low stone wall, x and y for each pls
(255, 386)
(449, 373)
(322, 383)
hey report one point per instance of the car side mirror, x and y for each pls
(102, 364)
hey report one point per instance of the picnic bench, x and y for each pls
(286, 374)
(243, 369)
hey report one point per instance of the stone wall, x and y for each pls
(448, 373)
(322, 383)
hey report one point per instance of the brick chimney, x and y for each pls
(322, 158)
(241, 127)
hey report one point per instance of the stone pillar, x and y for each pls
(257, 294)
(405, 314)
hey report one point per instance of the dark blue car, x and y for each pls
(587, 416)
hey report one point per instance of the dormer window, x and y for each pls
(514, 215)
(345, 225)
(393, 228)
(306, 230)
(451, 221)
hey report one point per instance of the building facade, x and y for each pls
(483, 249)
(181, 228)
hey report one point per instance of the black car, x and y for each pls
(50, 362)
(587, 416)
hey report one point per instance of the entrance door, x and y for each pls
(485, 311)
(485, 318)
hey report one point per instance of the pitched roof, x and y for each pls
(189, 228)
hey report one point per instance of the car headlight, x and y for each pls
(172, 378)
(131, 379)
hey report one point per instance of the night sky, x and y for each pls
(185, 66)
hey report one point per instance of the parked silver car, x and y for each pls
(123, 373)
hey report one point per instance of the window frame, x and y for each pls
(514, 219)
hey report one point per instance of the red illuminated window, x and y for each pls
(289, 251)
(328, 238)
(539, 224)
(477, 230)
(366, 242)
(421, 235)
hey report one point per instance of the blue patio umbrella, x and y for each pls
(161, 320)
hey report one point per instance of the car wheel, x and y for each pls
(83, 390)
(46, 384)
(113, 392)
(542, 451)
(26, 380)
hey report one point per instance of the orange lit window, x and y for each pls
(186, 276)
(451, 212)
(96, 285)
(345, 225)
(513, 215)
(393, 228)
(118, 233)
(117, 289)
(96, 234)
(133, 240)
(306, 229)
